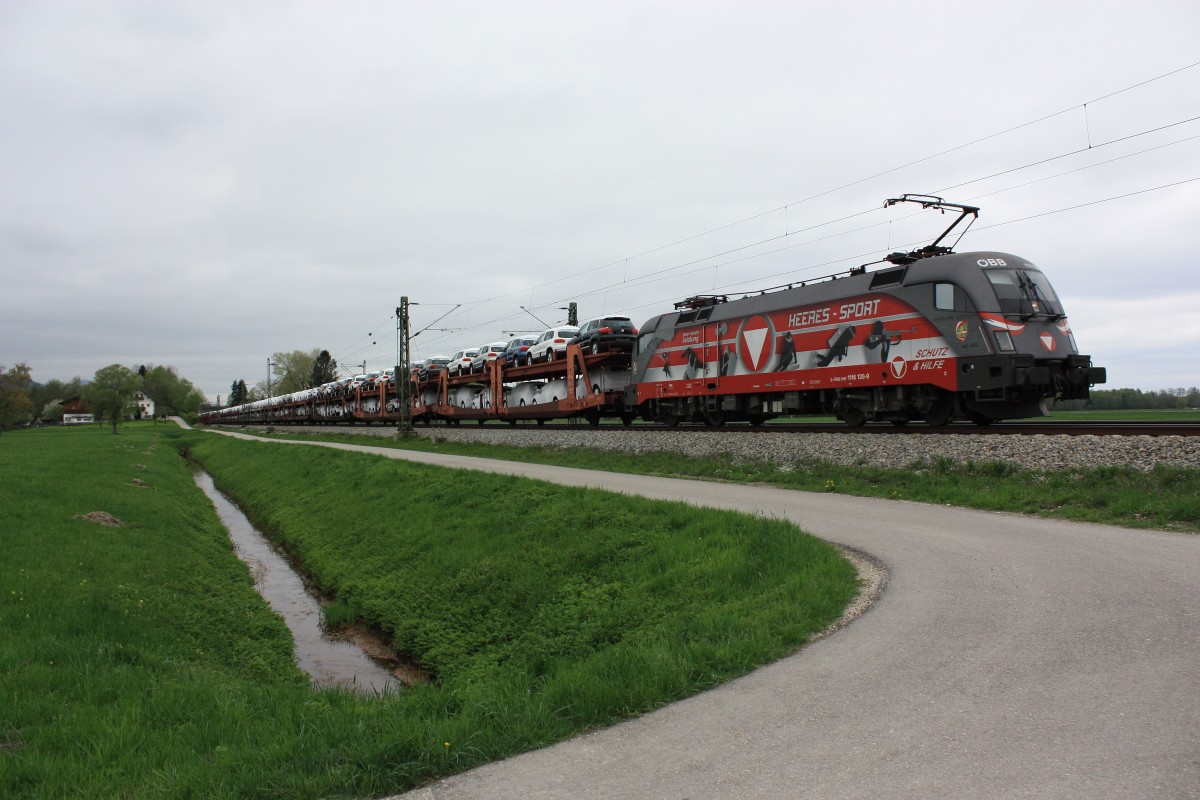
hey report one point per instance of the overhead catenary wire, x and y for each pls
(662, 302)
(1076, 152)
(642, 279)
(1072, 171)
(657, 274)
(1085, 205)
(841, 187)
(857, 257)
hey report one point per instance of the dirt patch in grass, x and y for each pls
(101, 518)
(11, 743)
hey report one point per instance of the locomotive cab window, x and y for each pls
(944, 296)
(1024, 292)
(644, 343)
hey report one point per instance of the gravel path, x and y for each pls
(786, 449)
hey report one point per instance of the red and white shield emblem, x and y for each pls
(1047, 340)
(899, 367)
(756, 341)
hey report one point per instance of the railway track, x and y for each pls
(1021, 428)
(1024, 428)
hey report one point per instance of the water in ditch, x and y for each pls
(329, 661)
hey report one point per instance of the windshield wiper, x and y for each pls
(1028, 297)
(1031, 296)
(1037, 301)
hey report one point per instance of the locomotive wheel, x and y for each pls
(979, 419)
(854, 417)
(714, 419)
(940, 411)
(670, 420)
(756, 420)
(594, 419)
(541, 422)
(627, 419)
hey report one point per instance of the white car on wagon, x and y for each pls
(552, 344)
(460, 362)
(487, 352)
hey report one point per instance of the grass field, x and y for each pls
(1165, 497)
(1128, 415)
(139, 662)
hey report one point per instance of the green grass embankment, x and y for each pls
(1164, 497)
(139, 662)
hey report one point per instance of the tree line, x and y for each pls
(1117, 399)
(290, 372)
(111, 394)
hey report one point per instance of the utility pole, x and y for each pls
(403, 370)
(269, 365)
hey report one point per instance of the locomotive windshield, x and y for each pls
(1024, 292)
(645, 342)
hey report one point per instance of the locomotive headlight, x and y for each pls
(1004, 341)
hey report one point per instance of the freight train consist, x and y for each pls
(928, 335)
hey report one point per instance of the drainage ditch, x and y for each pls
(328, 659)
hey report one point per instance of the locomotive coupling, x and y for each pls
(1079, 371)
(1087, 375)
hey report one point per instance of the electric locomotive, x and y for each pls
(934, 335)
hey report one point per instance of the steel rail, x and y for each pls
(1020, 428)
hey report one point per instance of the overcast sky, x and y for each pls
(203, 184)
